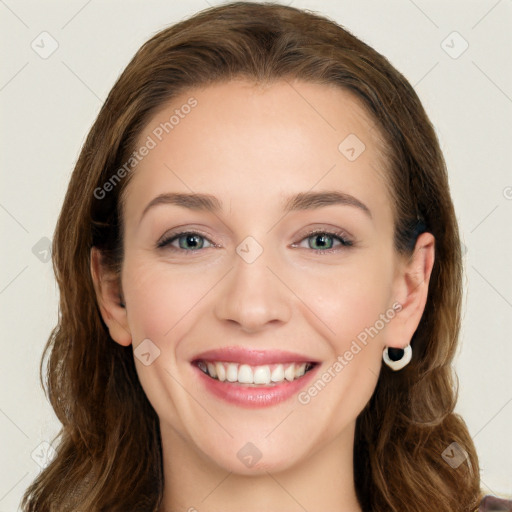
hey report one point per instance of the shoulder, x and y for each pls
(495, 504)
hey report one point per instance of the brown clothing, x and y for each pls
(494, 504)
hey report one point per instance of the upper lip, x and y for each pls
(252, 357)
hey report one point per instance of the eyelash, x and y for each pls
(340, 236)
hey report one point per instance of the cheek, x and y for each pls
(167, 304)
(158, 298)
(351, 298)
(161, 304)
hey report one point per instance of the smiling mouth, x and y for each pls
(249, 375)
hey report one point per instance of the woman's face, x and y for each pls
(250, 281)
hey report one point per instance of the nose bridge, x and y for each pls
(252, 296)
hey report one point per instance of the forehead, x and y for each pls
(244, 141)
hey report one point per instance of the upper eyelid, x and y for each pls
(165, 239)
(345, 239)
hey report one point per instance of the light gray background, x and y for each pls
(48, 106)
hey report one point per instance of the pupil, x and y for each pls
(322, 240)
(192, 240)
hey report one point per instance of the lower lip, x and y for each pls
(255, 397)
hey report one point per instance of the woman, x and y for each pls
(260, 276)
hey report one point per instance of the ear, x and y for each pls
(411, 291)
(109, 297)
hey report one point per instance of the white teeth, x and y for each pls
(211, 369)
(246, 374)
(232, 372)
(300, 370)
(289, 373)
(221, 372)
(278, 374)
(262, 375)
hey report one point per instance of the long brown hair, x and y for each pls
(109, 453)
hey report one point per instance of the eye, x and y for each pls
(323, 241)
(190, 241)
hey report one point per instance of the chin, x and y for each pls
(253, 459)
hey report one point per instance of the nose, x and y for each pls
(252, 296)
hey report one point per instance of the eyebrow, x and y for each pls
(300, 201)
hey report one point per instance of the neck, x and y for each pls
(322, 480)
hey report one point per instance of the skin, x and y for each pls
(251, 147)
